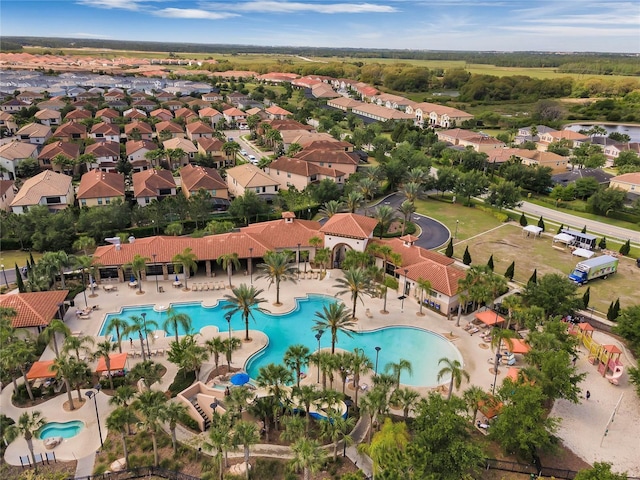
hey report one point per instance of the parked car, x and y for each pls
(243, 152)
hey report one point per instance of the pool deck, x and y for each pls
(475, 352)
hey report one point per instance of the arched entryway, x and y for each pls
(339, 253)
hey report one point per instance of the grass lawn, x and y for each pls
(507, 244)
(9, 258)
(471, 221)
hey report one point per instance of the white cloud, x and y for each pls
(266, 6)
(109, 4)
(88, 35)
(193, 13)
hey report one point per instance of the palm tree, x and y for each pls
(139, 325)
(122, 397)
(75, 344)
(119, 421)
(187, 354)
(453, 368)
(262, 409)
(246, 434)
(55, 264)
(215, 346)
(406, 399)
(138, 266)
(336, 428)
(475, 397)
(188, 261)
(330, 208)
(245, 299)
(396, 369)
(388, 283)
(151, 405)
(17, 356)
(228, 261)
(238, 400)
(423, 286)
(84, 263)
(293, 428)
(273, 377)
(306, 394)
(64, 368)
(172, 414)
(147, 370)
(296, 357)
(104, 349)
(308, 456)
(322, 257)
(120, 326)
(355, 282)
(368, 188)
(220, 438)
(343, 365)
(385, 215)
(498, 335)
(361, 365)
(27, 426)
(412, 191)
(512, 303)
(334, 318)
(276, 268)
(353, 201)
(231, 345)
(84, 243)
(176, 320)
(48, 335)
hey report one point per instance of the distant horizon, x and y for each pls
(547, 26)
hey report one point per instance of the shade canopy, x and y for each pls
(512, 373)
(239, 378)
(42, 369)
(532, 229)
(517, 346)
(563, 238)
(583, 252)
(117, 361)
(489, 317)
(611, 349)
(585, 327)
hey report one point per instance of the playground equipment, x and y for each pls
(617, 373)
(605, 357)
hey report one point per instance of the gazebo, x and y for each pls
(532, 229)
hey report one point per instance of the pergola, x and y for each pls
(117, 361)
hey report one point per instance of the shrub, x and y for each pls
(183, 380)
(501, 217)
(190, 423)
(466, 258)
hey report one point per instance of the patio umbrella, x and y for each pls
(177, 280)
(239, 378)
(132, 278)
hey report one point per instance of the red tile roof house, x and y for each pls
(48, 188)
(187, 146)
(7, 194)
(55, 103)
(141, 128)
(212, 97)
(136, 151)
(106, 153)
(162, 114)
(575, 139)
(71, 131)
(338, 159)
(196, 130)
(249, 177)
(8, 123)
(50, 151)
(104, 131)
(12, 153)
(146, 105)
(234, 116)
(185, 113)
(277, 113)
(212, 147)
(168, 129)
(77, 115)
(14, 105)
(153, 184)
(35, 310)
(100, 188)
(293, 172)
(34, 133)
(48, 117)
(173, 105)
(210, 115)
(134, 114)
(29, 97)
(198, 178)
(107, 115)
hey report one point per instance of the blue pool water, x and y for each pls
(421, 347)
(57, 429)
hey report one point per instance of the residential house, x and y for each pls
(186, 114)
(153, 184)
(168, 129)
(133, 114)
(278, 77)
(243, 178)
(8, 123)
(12, 154)
(180, 143)
(115, 95)
(613, 150)
(136, 151)
(199, 129)
(629, 182)
(574, 139)
(144, 105)
(66, 149)
(56, 103)
(277, 113)
(481, 143)
(196, 178)
(14, 105)
(7, 194)
(34, 133)
(322, 90)
(571, 176)
(99, 188)
(164, 96)
(235, 116)
(134, 129)
(197, 103)
(107, 155)
(346, 162)
(345, 104)
(435, 115)
(77, 115)
(29, 97)
(71, 131)
(236, 98)
(173, 105)
(294, 172)
(162, 114)
(381, 114)
(210, 115)
(107, 115)
(48, 188)
(525, 134)
(48, 117)
(212, 97)
(212, 148)
(557, 163)
(105, 131)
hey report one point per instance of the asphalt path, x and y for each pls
(577, 223)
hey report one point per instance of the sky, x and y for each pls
(502, 25)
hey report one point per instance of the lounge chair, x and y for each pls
(367, 312)
(52, 442)
(205, 287)
(474, 330)
(468, 326)
(211, 286)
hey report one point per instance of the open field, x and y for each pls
(508, 244)
(9, 258)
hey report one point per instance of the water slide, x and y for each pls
(617, 373)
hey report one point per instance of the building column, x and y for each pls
(165, 272)
(207, 267)
(120, 274)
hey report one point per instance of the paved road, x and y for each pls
(593, 226)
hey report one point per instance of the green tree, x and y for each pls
(505, 194)
(490, 264)
(466, 257)
(424, 286)
(27, 426)
(475, 397)
(606, 200)
(533, 279)
(49, 334)
(385, 215)
(276, 269)
(406, 209)
(628, 327)
(586, 298)
(228, 261)
(296, 358)
(248, 206)
(246, 434)
(118, 325)
(187, 261)
(172, 413)
(396, 369)
(555, 293)
(151, 406)
(356, 282)
(334, 318)
(471, 184)
(215, 346)
(122, 398)
(147, 371)
(330, 208)
(406, 399)
(187, 354)
(449, 251)
(602, 244)
(246, 300)
(140, 326)
(337, 428)
(511, 270)
(625, 248)
(388, 450)
(456, 372)
(104, 349)
(523, 220)
(273, 377)
(600, 471)
(138, 266)
(176, 321)
(307, 456)
(119, 421)
(231, 345)
(220, 439)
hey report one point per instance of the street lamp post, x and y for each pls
(377, 354)
(154, 255)
(251, 265)
(91, 394)
(146, 333)
(348, 403)
(495, 372)
(318, 337)
(456, 234)
(298, 261)
(4, 274)
(404, 293)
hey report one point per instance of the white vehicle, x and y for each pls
(243, 152)
(244, 127)
(253, 159)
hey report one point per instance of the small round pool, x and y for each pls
(60, 429)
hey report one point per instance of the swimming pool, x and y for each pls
(422, 348)
(60, 429)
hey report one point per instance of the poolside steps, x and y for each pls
(207, 421)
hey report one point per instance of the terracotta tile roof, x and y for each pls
(349, 225)
(172, 127)
(107, 112)
(185, 144)
(300, 167)
(106, 129)
(97, 184)
(328, 156)
(234, 112)
(568, 134)
(184, 112)
(443, 278)
(210, 144)
(69, 129)
(287, 124)
(134, 114)
(195, 178)
(68, 149)
(142, 127)
(199, 128)
(47, 114)
(148, 182)
(45, 184)
(77, 115)
(412, 254)
(284, 233)
(17, 150)
(253, 111)
(161, 111)
(5, 186)
(104, 149)
(631, 178)
(133, 146)
(250, 176)
(303, 137)
(34, 130)
(208, 112)
(34, 309)
(543, 157)
(325, 144)
(276, 110)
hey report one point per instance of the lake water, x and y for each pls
(632, 130)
